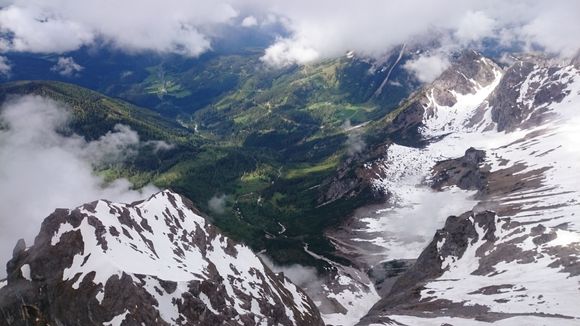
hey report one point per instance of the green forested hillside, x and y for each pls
(94, 114)
(266, 139)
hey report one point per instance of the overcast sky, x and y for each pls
(316, 29)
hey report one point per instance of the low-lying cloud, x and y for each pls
(354, 141)
(40, 169)
(217, 204)
(160, 145)
(308, 279)
(305, 277)
(5, 67)
(427, 67)
(66, 66)
(411, 227)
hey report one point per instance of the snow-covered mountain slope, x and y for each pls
(398, 230)
(155, 262)
(510, 251)
(344, 295)
(533, 193)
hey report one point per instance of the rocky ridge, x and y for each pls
(154, 262)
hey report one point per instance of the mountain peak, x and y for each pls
(155, 261)
(470, 72)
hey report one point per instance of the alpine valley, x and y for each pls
(342, 191)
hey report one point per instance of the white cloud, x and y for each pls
(133, 25)
(37, 30)
(474, 26)
(160, 145)
(66, 66)
(315, 29)
(557, 28)
(407, 225)
(287, 51)
(114, 146)
(41, 170)
(217, 204)
(427, 67)
(354, 142)
(249, 21)
(305, 277)
(5, 67)
(372, 27)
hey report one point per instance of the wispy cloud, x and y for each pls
(5, 67)
(66, 66)
(354, 141)
(41, 170)
(249, 21)
(217, 203)
(428, 67)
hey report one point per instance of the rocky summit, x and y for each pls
(153, 262)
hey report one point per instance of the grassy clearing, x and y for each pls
(304, 170)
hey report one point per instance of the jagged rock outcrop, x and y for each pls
(528, 87)
(465, 257)
(352, 179)
(448, 244)
(467, 75)
(469, 72)
(465, 172)
(154, 262)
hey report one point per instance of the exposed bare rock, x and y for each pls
(155, 262)
(352, 179)
(465, 172)
(451, 241)
(525, 91)
(469, 72)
